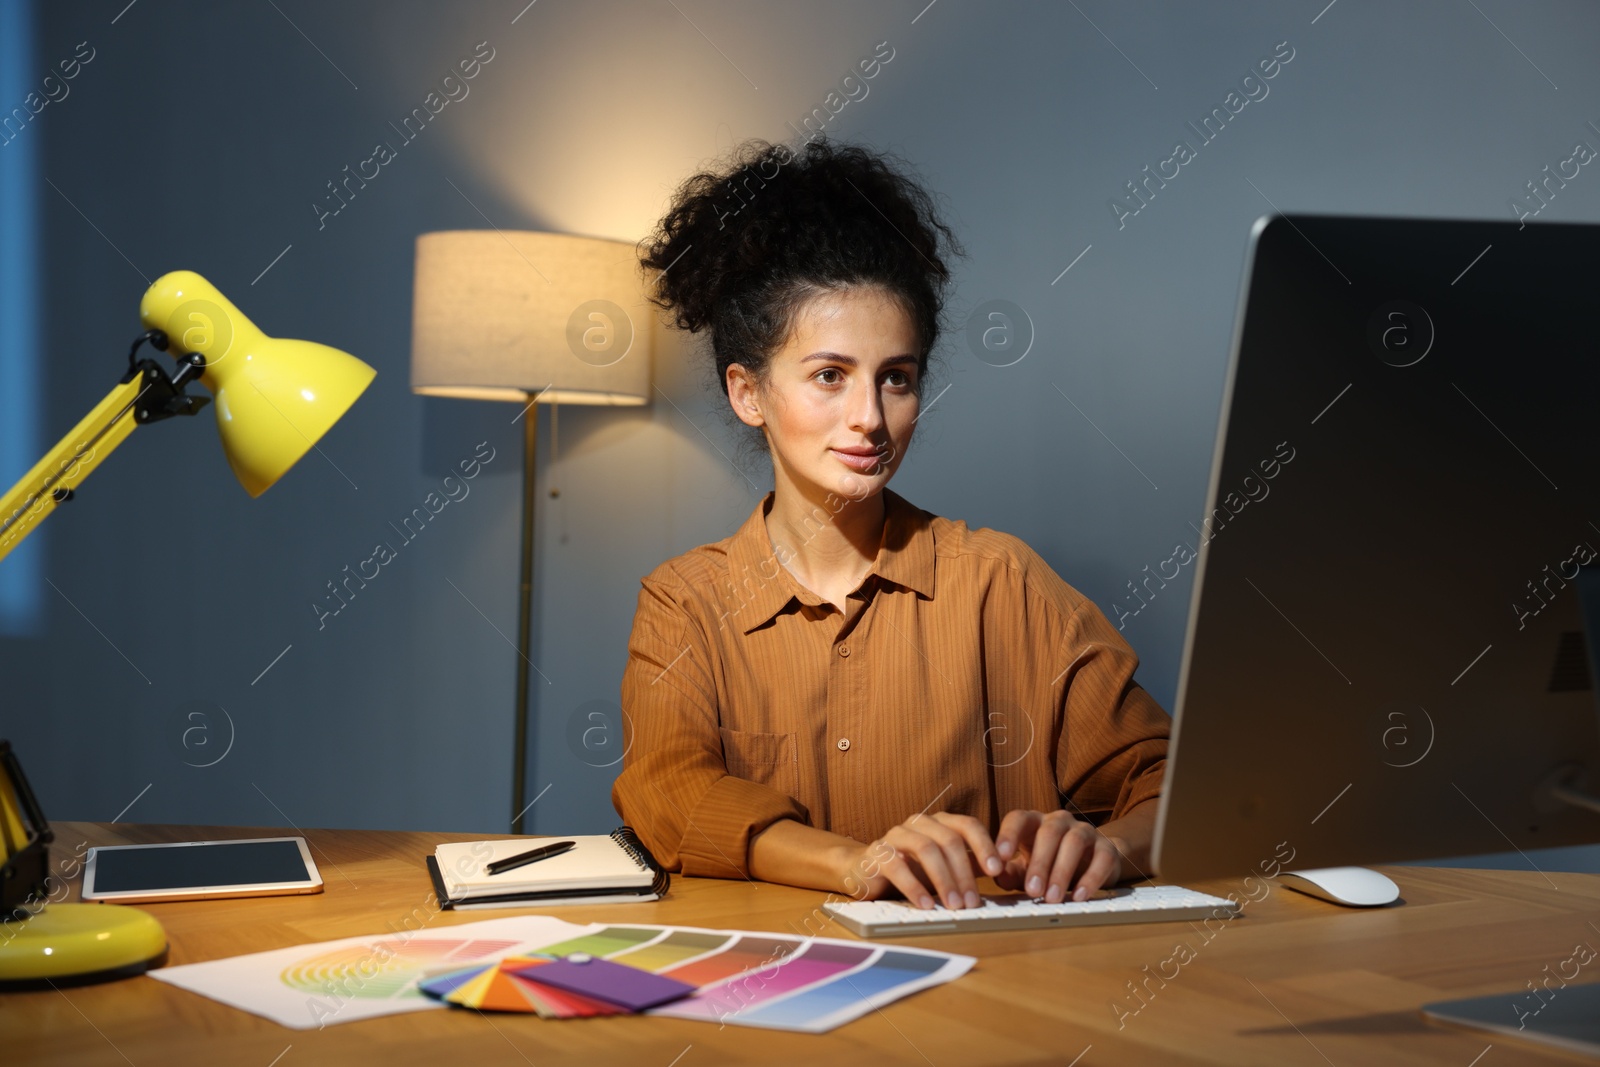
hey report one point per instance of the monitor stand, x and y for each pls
(1569, 1019)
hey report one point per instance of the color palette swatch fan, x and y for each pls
(555, 988)
(809, 984)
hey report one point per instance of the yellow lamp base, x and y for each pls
(79, 942)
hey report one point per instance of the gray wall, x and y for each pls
(200, 135)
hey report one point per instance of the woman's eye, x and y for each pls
(833, 376)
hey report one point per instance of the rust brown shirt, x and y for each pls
(966, 677)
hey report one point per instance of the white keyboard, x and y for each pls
(1140, 904)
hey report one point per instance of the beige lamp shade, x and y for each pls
(509, 315)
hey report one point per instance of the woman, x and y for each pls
(849, 693)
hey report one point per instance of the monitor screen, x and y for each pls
(1385, 658)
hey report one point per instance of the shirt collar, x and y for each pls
(760, 586)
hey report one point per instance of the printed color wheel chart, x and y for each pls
(386, 968)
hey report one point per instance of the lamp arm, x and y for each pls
(145, 394)
(66, 465)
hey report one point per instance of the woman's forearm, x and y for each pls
(795, 854)
(1134, 835)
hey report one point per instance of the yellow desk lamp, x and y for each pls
(274, 399)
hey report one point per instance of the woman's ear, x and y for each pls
(744, 395)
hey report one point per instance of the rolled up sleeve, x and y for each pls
(1112, 751)
(675, 789)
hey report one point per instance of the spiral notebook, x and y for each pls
(603, 868)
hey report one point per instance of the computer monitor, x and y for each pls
(1385, 658)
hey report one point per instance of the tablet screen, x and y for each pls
(201, 866)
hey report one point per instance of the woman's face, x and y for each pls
(840, 401)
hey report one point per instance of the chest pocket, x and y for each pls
(766, 759)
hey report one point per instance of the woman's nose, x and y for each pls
(866, 410)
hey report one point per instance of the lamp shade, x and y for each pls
(275, 398)
(504, 315)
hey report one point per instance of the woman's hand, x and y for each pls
(1048, 853)
(927, 859)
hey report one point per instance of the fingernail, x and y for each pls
(1035, 884)
(1053, 894)
(1005, 849)
(953, 902)
(994, 865)
(972, 898)
(927, 902)
(1080, 893)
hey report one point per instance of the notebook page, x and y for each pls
(598, 862)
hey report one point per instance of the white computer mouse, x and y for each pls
(1357, 887)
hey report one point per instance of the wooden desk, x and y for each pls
(1296, 981)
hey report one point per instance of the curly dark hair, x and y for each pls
(744, 247)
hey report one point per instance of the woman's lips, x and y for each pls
(862, 464)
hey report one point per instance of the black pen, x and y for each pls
(543, 852)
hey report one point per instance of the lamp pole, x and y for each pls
(519, 765)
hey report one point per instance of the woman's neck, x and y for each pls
(828, 544)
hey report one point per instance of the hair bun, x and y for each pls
(743, 246)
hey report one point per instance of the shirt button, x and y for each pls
(844, 650)
(844, 744)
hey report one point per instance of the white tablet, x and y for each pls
(199, 870)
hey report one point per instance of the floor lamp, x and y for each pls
(531, 318)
